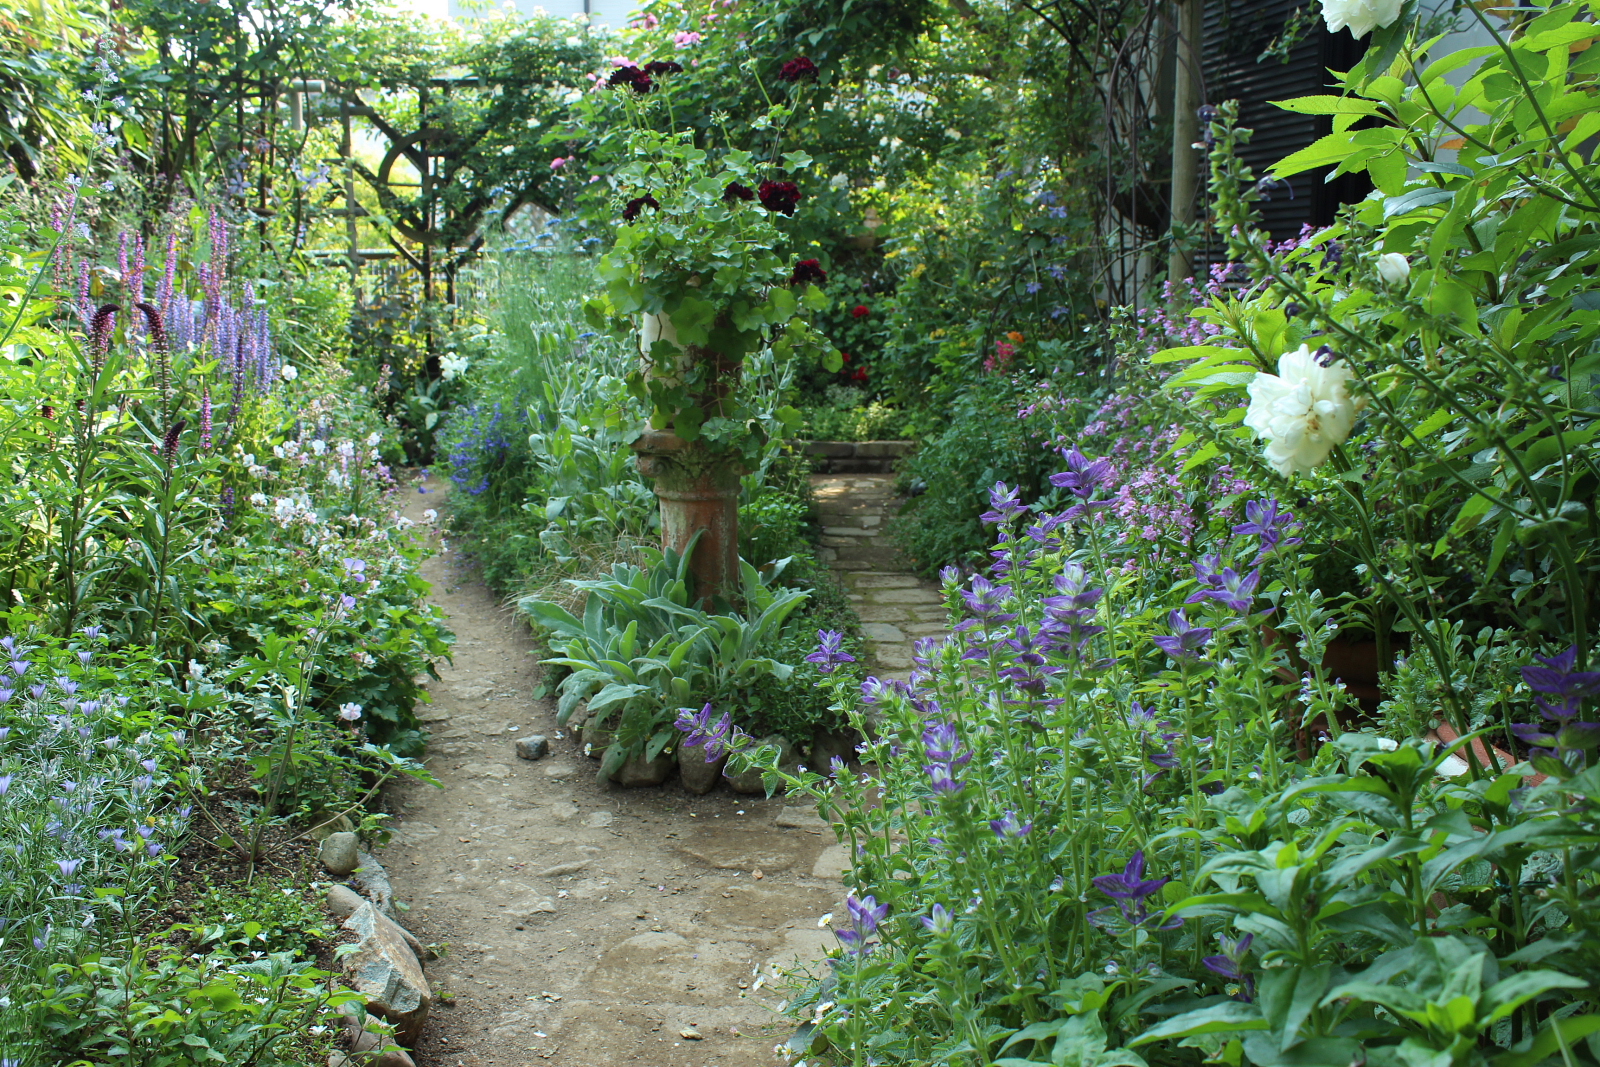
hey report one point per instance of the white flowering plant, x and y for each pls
(1422, 372)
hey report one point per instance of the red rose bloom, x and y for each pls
(663, 66)
(808, 270)
(798, 69)
(860, 375)
(638, 204)
(780, 196)
(860, 311)
(631, 76)
(735, 191)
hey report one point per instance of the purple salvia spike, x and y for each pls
(168, 271)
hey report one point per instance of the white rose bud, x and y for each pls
(1361, 16)
(1394, 268)
(1302, 411)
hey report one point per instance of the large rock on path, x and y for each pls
(385, 971)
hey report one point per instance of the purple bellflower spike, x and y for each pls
(1009, 826)
(940, 922)
(865, 915)
(1557, 678)
(987, 600)
(1185, 641)
(1005, 504)
(1231, 589)
(1131, 890)
(1230, 964)
(1264, 520)
(829, 653)
(1083, 475)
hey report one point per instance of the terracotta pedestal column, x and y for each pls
(699, 494)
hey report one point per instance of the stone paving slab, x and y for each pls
(896, 607)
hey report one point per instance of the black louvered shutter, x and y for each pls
(1236, 33)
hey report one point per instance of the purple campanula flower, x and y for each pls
(5, 732)
(829, 653)
(154, 849)
(1185, 641)
(84, 656)
(6, 695)
(987, 600)
(1229, 588)
(865, 915)
(67, 685)
(1008, 826)
(117, 838)
(1130, 889)
(37, 691)
(1557, 678)
(19, 667)
(145, 831)
(69, 867)
(1230, 964)
(1005, 504)
(5, 783)
(940, 922)
(9, 645)
(1083, 475)
(149, 765)
(91, 632)
(143, 782)
(44, 939)
(1264, 520)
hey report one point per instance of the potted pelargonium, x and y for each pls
(695, 274)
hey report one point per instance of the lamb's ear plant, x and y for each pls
(1423, 367)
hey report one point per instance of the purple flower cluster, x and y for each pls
(947, 754)
(1131, 891)
(1562, 732)
(705, 730)
(830, 652)
(865, 915)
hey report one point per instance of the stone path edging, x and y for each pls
(896, 607)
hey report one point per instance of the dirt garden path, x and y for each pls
(583, 925)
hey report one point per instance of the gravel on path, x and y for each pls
(581, 925)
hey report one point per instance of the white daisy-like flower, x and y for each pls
(1302, 411)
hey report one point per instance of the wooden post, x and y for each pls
(1186, 98)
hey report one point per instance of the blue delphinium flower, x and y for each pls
(829, 653)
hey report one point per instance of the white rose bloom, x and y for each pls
(1361, 16)
(288, 373)
(1394, 268)
(1302, 411)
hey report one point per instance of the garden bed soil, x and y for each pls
(581, 924)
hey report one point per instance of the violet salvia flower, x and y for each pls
(1185, 641)
(1009, 826)
(1557, 678)
(829, 653)
(205, 418)
(1230, 588)
(1005, 504)
(946, 754)
(950, 576)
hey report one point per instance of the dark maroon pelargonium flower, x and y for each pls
(663, 66)
(798, 69)
(631, 76)
(735, 191)
(638, 204)
(808, 270)
(779, 196)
